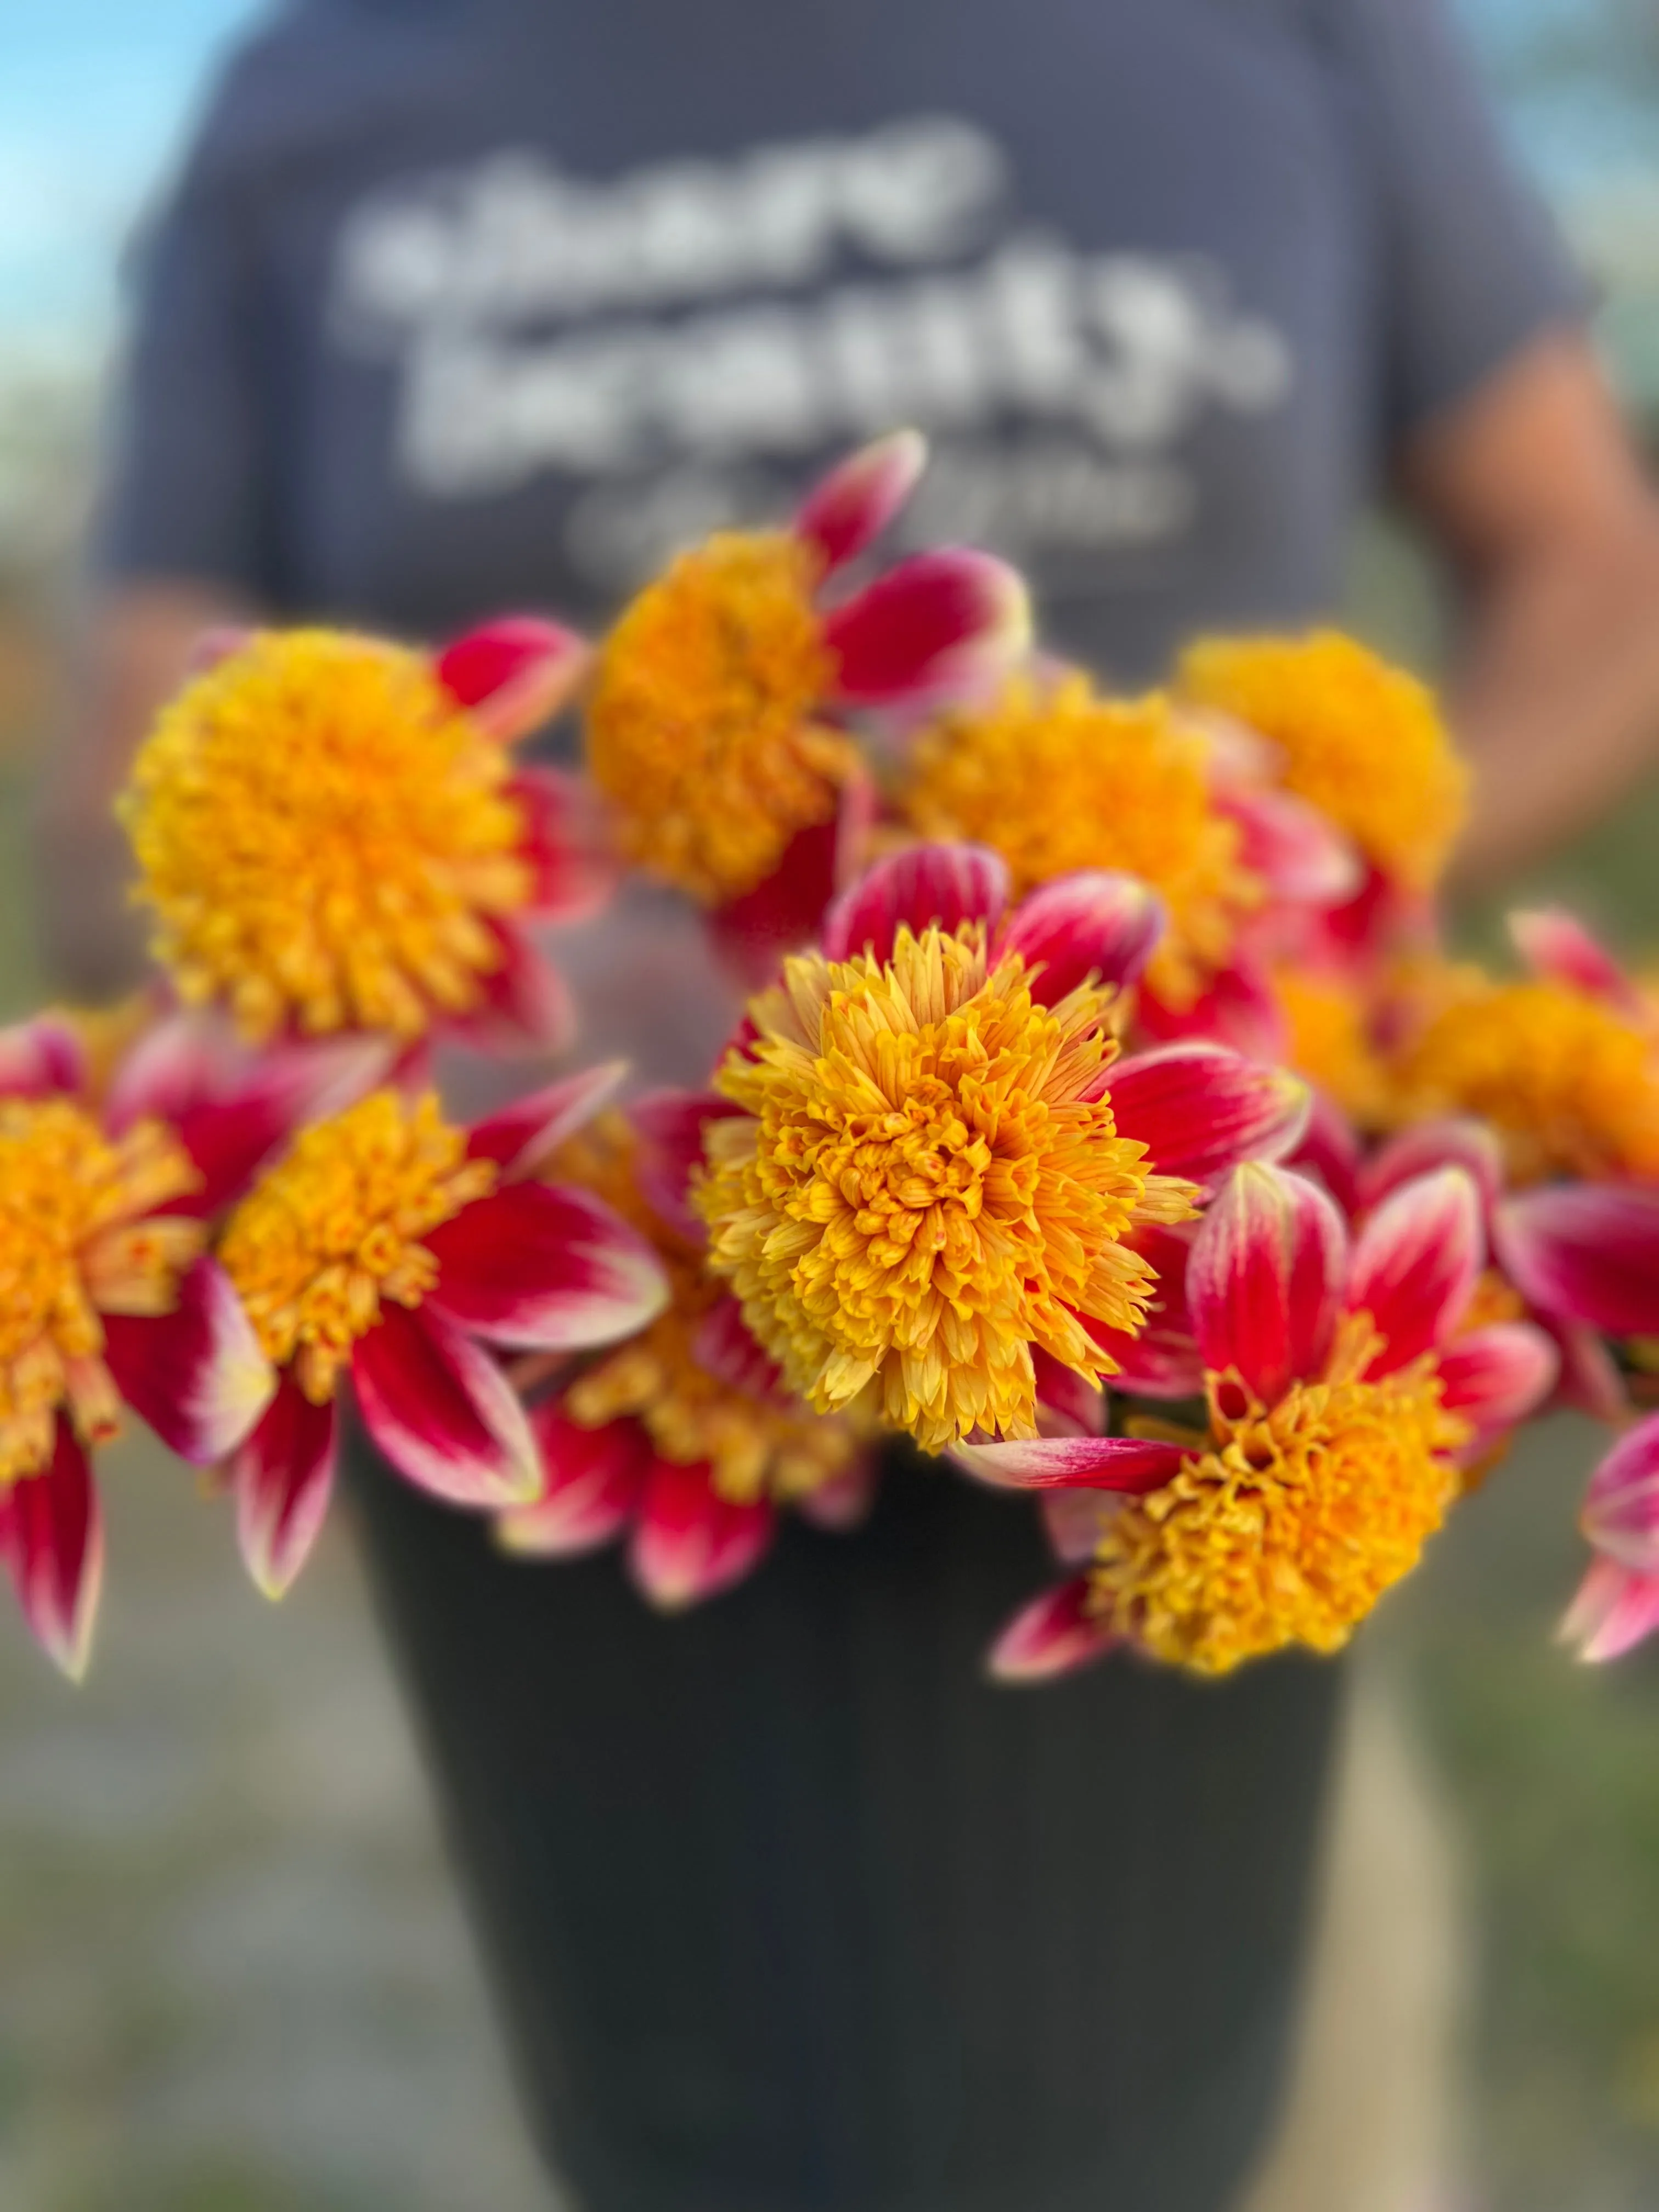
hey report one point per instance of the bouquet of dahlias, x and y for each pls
(1107, 1116)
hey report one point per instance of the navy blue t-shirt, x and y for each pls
(460, 305)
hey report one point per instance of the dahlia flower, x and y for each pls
(331, 833)
(712, 723)
(393, 1250)
(118, 1143)
(1346, 1395)
(681, 1434)
(940, 1163)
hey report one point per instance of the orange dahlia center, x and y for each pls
(74, 1243)
(324, 837)
(703, 730)
(336, 1227)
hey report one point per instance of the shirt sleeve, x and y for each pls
(1473, 267)
(187, 482)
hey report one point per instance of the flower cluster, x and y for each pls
(1108, 1117)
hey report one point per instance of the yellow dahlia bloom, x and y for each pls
(1362, 741)
(1056, 778)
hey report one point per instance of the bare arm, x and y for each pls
(134, 649)
(1536, 493)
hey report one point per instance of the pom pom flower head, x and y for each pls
(937, 1170)
(681, 1435)
(712, 725)
(331, 833)
(108, 1300)
(1347, 1389)
(391, 1247)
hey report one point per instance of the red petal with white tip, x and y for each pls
(1591, 1379)
(1416, 1264)
(923, 885)
(52, 1532)
(752, 933)
(1620, 1515)
(689, 1542)
(1558, 949)
(1091, 923)
(1292, 847)
(669, 1125)
(196, 1375)
(544, 1267)
(1237, 1007)
(937, 620)
(223, 641)
(526, 1004)
(724, 1348)
(41, 1058)
(513, 674)
(849, 509)
(1199, 1110)
(178, 1063)
(1496, 1375)
(1613, 1612)
(1585, 1252)
(1055, 1636)
(1265, 1279)
(1455, 1143)
(283, 1478)
(521, 1136)
(1079, 1405)
(591, 1485)
(1132, 1464)
(1075, 1521)
(574, 872)
(1162, 1360)
(1330, 1152)
(843, 1504)
(232, 1131)
(442, 1412)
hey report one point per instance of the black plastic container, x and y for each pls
(790, 1910)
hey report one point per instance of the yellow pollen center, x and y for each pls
(323, 835)
(1056, 778)
(927, 1182)
(701, 729)
(74, 1244)
(335, 1228)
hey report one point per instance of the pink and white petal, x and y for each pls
(1297, 852)
(544, 1267)
(723, 1347)
(1200, 1109)
(923, 885)
(197, 1376)
(1585, 1252)
(1416, 1264)
(1056, 1635)
(1237, 1007)
(592, 1483)
(443, 1413)
(1591, 1379)
(180, 1060)
(844, 1503)
(232, 1131)
(689, 1542)
(1330, 1152)
(51, 1531)
(42, 1058)
(1558, 949)
(1620, 1512)
(523, 1134)
(752, 933)
(935, 621)
(1131, 1464)
(1456, 1142)
(669, 1125)
(221, 641)
(1093, 923)
(574, 870)
(1264, 1284)
(1075, 1521)
(525, 1006)
(283, 1479)
(1496, 1375)
(1160, 1361)
(1068, 1404)
(1614, 1610)
(513, 674)
(848, 510)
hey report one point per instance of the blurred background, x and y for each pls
(232, 1977)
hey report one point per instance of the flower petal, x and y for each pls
(849, 509)
(196, 1375)
(41, 1058)
(1585, 1252)
(52, 1532)
(669, 1125)
(1591, 1381)
(514, 673)
(934, 623)
(522, 1135)
(1496, 1375)
(231, 1130)
(1162, 1360)
(1237, 1007)
(574, 872)
(723, 1347)
(924, 884)
(1620, 1513)
(525, 1006)
(1132, 1464)
(1200, 1109)
(544, 1267)
(1456, 1142)
(1330, 1152)
(442, 1412)
(1079, 1405)
(1300, 855)
(1075, 1521)
(752, 933)
(1416, 1264)
(220, 641)
(591, 1485)
(1055, 1635)
(1613, 1612)
(689, 1542)
(1093, 922)
(844, 1501)
(1265, 1279)
(1558, 949)
(283, 1478)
